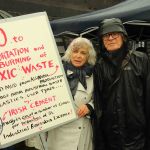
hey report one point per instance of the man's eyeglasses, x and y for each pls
(113, 35)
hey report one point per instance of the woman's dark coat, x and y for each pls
(123, 96)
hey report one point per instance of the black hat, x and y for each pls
(112, 25)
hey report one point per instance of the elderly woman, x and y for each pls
(78, 62)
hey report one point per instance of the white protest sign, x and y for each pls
(34, 94)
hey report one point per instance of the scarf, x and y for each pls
(77, 75)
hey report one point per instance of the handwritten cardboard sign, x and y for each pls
(34, 93)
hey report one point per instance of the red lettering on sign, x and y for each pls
(7, 74)
(2, 32)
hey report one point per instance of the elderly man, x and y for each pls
(122, 92)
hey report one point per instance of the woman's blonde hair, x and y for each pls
(78, 43)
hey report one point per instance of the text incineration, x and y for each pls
(13, 53)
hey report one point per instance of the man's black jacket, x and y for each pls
(123, 97)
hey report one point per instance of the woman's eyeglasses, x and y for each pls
(113, 35)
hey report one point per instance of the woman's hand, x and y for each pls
(83, 110)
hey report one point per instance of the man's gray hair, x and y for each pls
(78, 43)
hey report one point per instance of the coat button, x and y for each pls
(79, 127)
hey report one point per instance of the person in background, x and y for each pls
(121, 92)
(78, 62)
